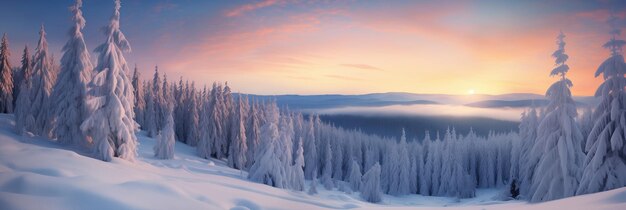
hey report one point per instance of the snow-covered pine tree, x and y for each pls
(181, 93)
(20, 75)
(327, 171)
(558, 138)
(42, 82)
(310, 150)
(165, 102)
(157, 97)
(528, 136)
(355, 176)
(253, 134)
(446, 180)
(227, 110)
(370, 189)
(23, 117)
(425, 176)
(217, 133)
(191, 121)
(205, 142)
(164, 147)
(267, 168)
(605, 164)
(6, 78)
(337, 153)
(69, 96)
(238, 147)
(150, 111)
(399, 179)
(111, 126)
(298, 170)
(285, 141)
(514, 171)
(140, 102)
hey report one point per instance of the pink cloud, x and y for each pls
(250, 7)
(362, 66)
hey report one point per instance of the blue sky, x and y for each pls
(309, 47)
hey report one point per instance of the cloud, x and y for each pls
(363, 66)
(237, 11)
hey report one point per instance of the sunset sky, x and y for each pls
(346, 47)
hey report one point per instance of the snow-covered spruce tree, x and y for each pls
(370, 190)
(399, 179)
(150, 111)
(164, 147)
(267, 168)
(42, 82)
(605, 164)
(140, 102)
(461, 184)
(217, 134)
(191, 121)
(426, 174)
(165, 102)
(157, 98)
(434, 163)
(19, 76)
(238, 147)
(528, 136)
(6, 78)
(253, 133)
(298, 169)
(310, 151)
(69, 96)
(111, 126)
(327, 171)
(558, 138)
(285, 143)
(226, 111)
(337, 153)
(23, 116)
(205, 143)
(515, 159)
(180, 97)
(355, 176)
(446, 181)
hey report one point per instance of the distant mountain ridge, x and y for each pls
(325, 101)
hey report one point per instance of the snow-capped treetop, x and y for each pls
(613, 68)
(27, 70)
(615, 45)
(560, 57)
(559, 92)
(113, 31)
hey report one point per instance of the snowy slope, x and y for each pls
(38, 174)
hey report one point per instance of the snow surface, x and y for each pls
(36, 173)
